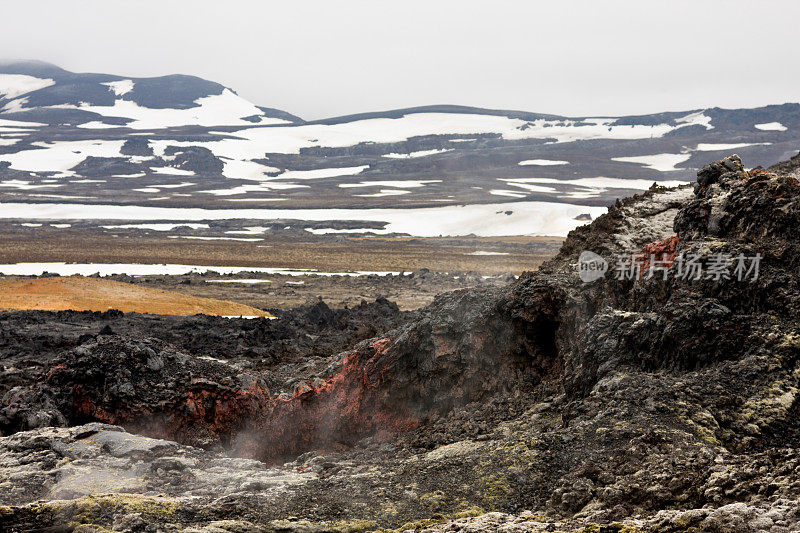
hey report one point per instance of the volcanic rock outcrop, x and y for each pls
(66, 368)
(661, 397)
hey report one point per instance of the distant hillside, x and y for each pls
(184, 141)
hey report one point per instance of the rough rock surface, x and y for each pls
(65, 367)
(650, 403)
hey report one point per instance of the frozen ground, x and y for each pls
(136, 269)
(487, 220)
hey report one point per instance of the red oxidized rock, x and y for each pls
(662, 251)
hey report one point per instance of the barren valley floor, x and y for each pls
(431, 265)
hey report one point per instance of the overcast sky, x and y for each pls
(334, 57)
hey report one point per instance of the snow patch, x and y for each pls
(136, 269)
(581, 195)
(172, 171)
(65, 196)
(542, 162)
(771, 126)
(14, 85)
(96, 125)
(120, 87)
(175, 185)
(506, 192)
(23, 185)
(420, 153)
(247, 170)
(15, 106)
(481, 252)
(320, 173)
(488, 220)
(226, 109)
(384, 192)
(4, 122)
(599, 182)
(660, 162)
(697, 118)
(406, 184)
(249, 230)
(62, 155)
(710, 147)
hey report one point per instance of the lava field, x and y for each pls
(645, 403)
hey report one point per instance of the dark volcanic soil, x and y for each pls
(409, 290)
(640, 404)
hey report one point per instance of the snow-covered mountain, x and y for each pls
(184, 141)
(41, 92)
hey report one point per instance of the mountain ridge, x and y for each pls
(36, 67)
(181, 141)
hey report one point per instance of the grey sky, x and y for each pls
(325, 58)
